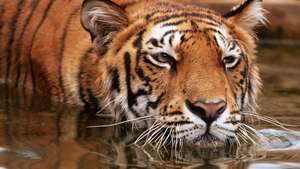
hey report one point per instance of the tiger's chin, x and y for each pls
(208, 140)
(205, 139)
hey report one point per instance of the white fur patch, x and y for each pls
(157, 33)
(104, 15)
(141, 104)
(221, 38)
(221, 129)
(255, 16)
(251, 16)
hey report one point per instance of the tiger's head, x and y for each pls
(191, 69)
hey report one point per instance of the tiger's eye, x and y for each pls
(229, 59)
(164, 58)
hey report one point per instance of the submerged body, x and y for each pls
(190, 69)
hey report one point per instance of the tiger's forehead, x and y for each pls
(167, 34)
(169, 21)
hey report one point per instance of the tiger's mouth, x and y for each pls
(203, 135)
(209, 122)
(163, 133)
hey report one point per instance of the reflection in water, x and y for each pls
(39, 135)
(35, 134)
(281, 140)
(274, 166)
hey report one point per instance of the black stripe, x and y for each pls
(62, 49)
(216, 41)
(85, 94)
(157, 12)
(146, 60)
(154, 42)
(241, 81)
(174, 113)
(19, 44)
(232, 47)
(171, 40)
(239, 86)
(245, 74)
(190, 31)
(49, 5)
(193, 23)
(201, 15)
(18, 72)
(131, 99)
(168, 32)
(93, 101)
(65, 31)
(213, 30)
(235, 86)
(182, 38)
(176, 23)
(115, 79)
(154, 104)
(13, 28)
(138, 45)
(130, 95)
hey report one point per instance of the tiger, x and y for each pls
(186, 72)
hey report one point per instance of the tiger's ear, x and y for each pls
(248, 14)
(102, 19)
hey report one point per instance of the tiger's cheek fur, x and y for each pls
(134, 84)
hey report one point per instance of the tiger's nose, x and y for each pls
(207, 111)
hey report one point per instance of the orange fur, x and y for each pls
(51, 53)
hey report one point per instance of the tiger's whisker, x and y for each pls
(248, 137)
(260, 136)
(270, 120)
(167, 137)
(251, 134)
(176, 140)
(104, 107)
(242, 137)
(159, 143)
(147, 132)
(123, 122)
(153, 135)
(237, 140)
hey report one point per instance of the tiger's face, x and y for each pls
(190, 69)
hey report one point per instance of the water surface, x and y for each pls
(35, 134)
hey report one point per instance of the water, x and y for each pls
(37, 135)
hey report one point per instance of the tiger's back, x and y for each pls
(37, 37)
